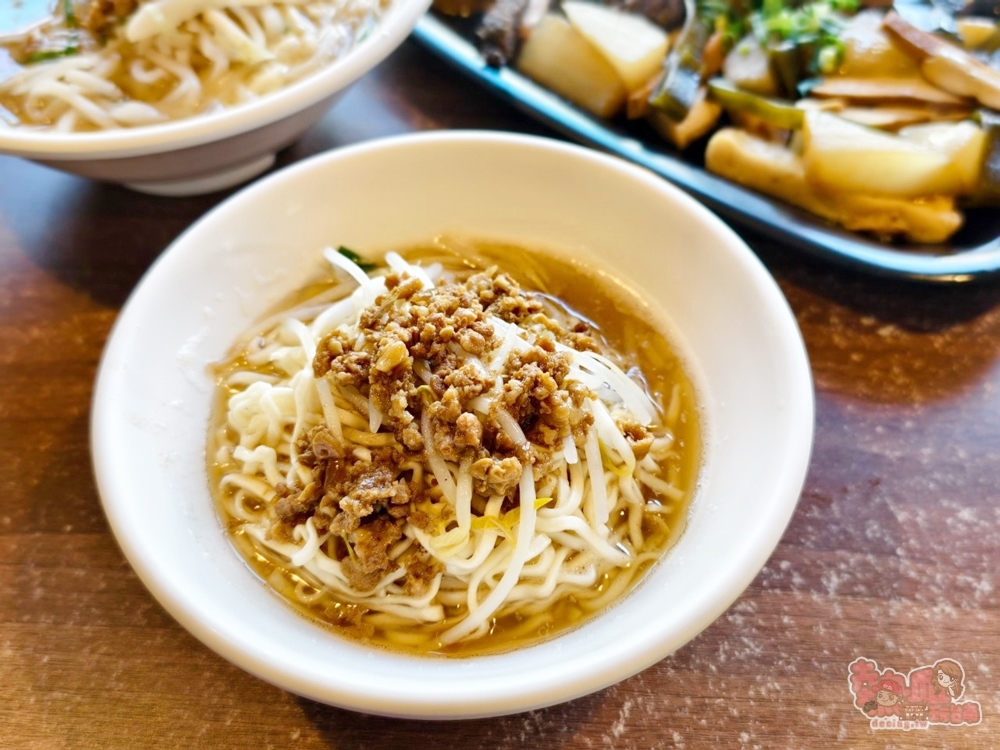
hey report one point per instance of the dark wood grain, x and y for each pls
(892, 553)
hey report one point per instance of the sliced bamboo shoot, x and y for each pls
(881, 90)
(894, 118)
(947, 66)
(956, 71)
(918, 43)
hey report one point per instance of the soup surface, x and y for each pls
(461, 452)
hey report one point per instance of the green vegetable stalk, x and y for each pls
(357, 259)
(676, 93)
(776, 112)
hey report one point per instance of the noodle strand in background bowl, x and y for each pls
(98, 65)
(181, 97)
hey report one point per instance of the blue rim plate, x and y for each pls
(973, 253)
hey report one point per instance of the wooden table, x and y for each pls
(891, 555)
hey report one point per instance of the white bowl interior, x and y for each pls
(730, 321)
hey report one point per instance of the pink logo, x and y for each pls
(925, 696)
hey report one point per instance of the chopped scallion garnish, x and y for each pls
(357, 259)
(70, 14)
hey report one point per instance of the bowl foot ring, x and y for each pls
(210, 183)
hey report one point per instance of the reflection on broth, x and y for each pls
(461, 452)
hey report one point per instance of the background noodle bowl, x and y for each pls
(563, 580)
(89, 69)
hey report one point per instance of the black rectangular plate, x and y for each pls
(972, 253)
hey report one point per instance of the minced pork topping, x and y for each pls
(427, 359)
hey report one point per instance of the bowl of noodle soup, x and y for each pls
(179, 97)
(517, 368)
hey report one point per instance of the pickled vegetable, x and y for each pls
(776, 112)
(678, 90)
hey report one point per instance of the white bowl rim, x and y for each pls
(387, 34)
(517, 693)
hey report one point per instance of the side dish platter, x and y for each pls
(971, 253)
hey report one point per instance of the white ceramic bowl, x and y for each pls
(153, 395)
(209, 152)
